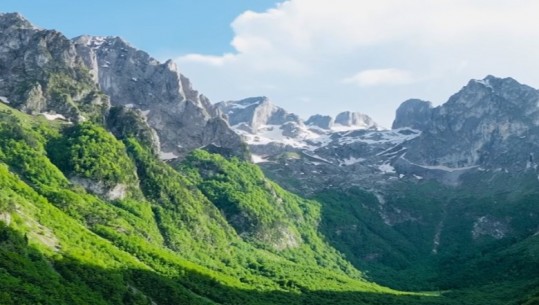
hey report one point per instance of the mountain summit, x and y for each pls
(81, 79)
(90, 212)
(492, 123)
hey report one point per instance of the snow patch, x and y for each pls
(446, 168)
(53, 116)
(483, 82)
(395, 137)
(340, 128)
(258, 159)
(387, 168)
(4, 100)
(317, 157)
(243, 106)
(167, 155)
(95, 42)
(351, 160)
(266, 134)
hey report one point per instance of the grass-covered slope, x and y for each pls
(479, 247)
(171, 238)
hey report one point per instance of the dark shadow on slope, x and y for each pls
(474, 269)
(394, 252)
(27, 277)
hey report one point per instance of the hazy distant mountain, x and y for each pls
(90, 214)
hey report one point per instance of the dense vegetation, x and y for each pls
(168, 242)
(438, 250)
(212, 230)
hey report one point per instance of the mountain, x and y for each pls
(447, 187)
(42, 73)
(82, 78)
(490, 124)
(120, 184)
(270, 130)
(91, 214)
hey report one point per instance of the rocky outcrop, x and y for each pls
(255, 112)
(321, 121)
(413, 113)
(183, 118)
(355, 120)
(126, 122)
(491, 123)
(42, 72)
(117, 191)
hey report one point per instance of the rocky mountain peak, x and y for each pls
(320, 121)
(14, 21)
(354, 120)
(46, 73)
(491, 98)
(413, 113)
(490, 123)
(256, 112)
(183, 118)
(43, 74)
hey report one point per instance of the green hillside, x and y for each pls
(427, 236)
(89, 219)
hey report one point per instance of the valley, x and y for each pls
(122, 184)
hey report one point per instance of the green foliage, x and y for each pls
(262, 212)
(213, 231)
(420, 237)
(63, 87)
(87, 150)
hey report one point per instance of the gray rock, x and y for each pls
(321, 121)
(42, 72)
(256, 112)
(492, 123)
(413, 113)
(183, 119)
(355, 119)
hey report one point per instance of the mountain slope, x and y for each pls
(430, 204)
(89, 210)
(80, 79)
(163, 242)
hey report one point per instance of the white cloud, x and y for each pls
(378, 77)
(303, 49)
(207, 59)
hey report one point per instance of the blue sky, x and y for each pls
(317, 56)
(162, 27)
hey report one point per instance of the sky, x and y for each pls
(317, 56)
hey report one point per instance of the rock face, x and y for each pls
(413, 113)
(354, 120)
(321, 121)
(255, 112)
(266, 127)
(44, 72)
(491, 123)
(183, 118)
